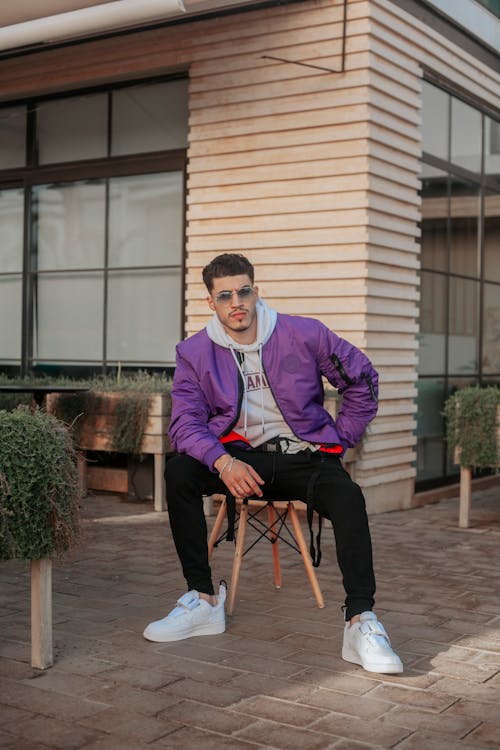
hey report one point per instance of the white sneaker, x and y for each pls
(366, 643)
(192, 616)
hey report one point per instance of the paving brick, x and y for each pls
(200, 715)
(128, 698)
(129, 724)
(364, 706)
(217, 695)
(378, 732)
(448, 724)
(423, 740)
(285, 737)
(189, 737)
(11, 713)
(487, 733)
(285, 712)
(475, 709)
(421, 698)
(54, 733)
(144, 678)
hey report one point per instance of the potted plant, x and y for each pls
(39, 507)
(473, 435)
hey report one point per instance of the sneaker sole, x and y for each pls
(215, 629)
(353, 658)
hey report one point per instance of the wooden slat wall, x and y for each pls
(314, 175)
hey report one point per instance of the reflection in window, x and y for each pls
(144, 315)
(146, 220)
(11, 230)
(464, 228)
(435, 206)
(492, 237)
(12, 137)
(465, 135)
(10, 310)
(432, 324)
(68, 317)
(72, 129)
(435, 120)
(491, 334)
(431, 446)
(463, 326)
(70, 225)
(149, 118)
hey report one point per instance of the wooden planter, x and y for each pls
(96, 434)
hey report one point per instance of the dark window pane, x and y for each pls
(492, 237)
(72, 129)
(430, 432)
(432, 338)
(434, 244)
(464, 324)
(464, 239)
(491, 322)
(12, 137)
(150, 118)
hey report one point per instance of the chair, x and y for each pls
(276, 528)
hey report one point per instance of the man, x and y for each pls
(248, 419)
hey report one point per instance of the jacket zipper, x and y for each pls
(349, 381)
(240, 401)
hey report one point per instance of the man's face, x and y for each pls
(237, 313)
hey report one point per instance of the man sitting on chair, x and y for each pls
(248, 419)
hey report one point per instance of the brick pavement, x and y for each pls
(275, 679)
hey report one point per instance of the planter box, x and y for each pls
(96, 434)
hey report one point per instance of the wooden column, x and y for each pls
(41, 613)
(465, 497)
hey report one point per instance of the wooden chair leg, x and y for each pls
(271, 513)
(214, 534)
(238, 555)
(299, 536)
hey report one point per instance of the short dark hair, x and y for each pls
(227, 264)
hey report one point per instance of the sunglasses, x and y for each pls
(226, 297)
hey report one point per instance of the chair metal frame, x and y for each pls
(277, 514)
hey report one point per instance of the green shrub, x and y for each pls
(471, 426)
(39, 486)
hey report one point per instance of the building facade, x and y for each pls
(350, 149)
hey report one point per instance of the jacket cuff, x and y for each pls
(212, 455)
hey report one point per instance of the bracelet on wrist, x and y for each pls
(229, 463)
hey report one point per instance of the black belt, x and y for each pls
(278, 445)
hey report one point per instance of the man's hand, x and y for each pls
(240, 478)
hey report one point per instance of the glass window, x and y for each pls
(146, 220)
(491, 146)
(435, 120)
(435, 207)
(149, 118)
(70, 225)
(72, 129)
(464, 228)
(432, 339)
(11, 230)
(492, 237)
(431, 446)
(491, 334)
(144, 315)
(463, 327)
(465, 135)
(10, 311)
(68, 317)
(12, 137)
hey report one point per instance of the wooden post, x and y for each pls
(159, 482)
(41, 613)
(81, 460)
(465, 496)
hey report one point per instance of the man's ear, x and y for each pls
(256, 291)
(211, 303)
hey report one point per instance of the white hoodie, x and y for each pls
(260, 419)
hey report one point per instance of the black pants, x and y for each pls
(335, 496)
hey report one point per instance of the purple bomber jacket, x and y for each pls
(207, 388)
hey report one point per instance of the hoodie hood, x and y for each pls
(266, 322)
